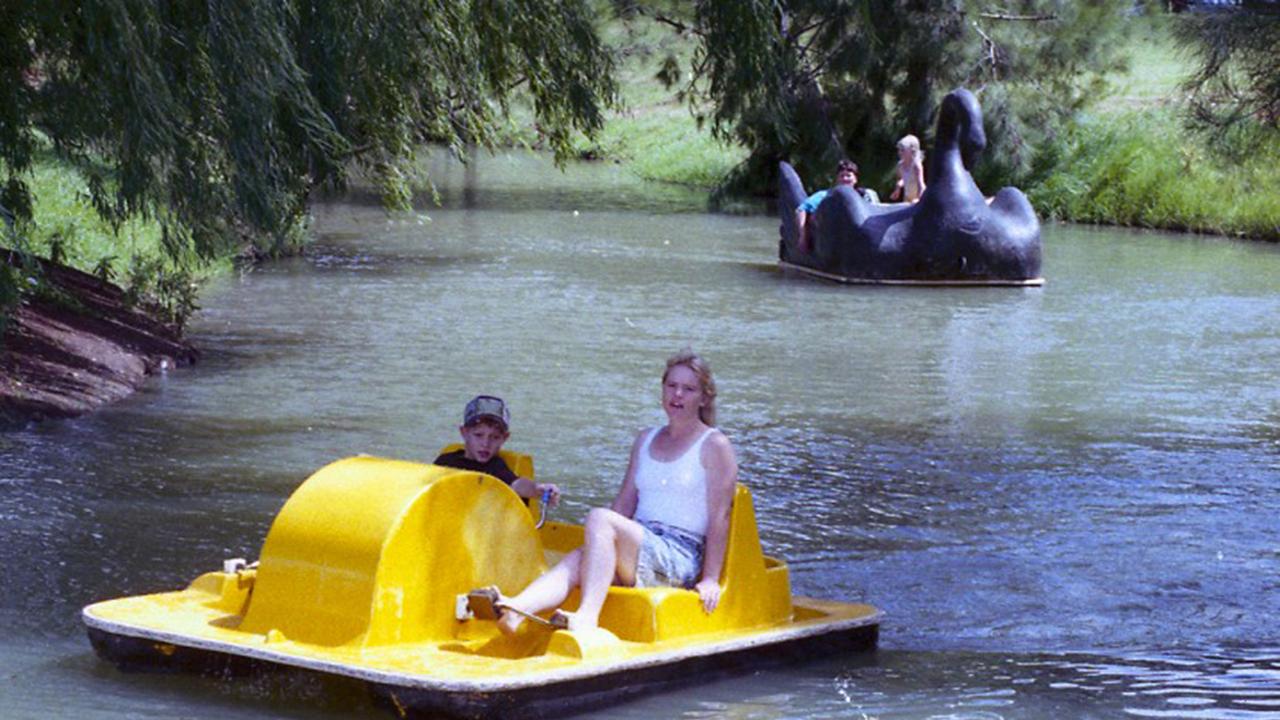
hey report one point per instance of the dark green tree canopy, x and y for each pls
(813, 80)
(219, 118)
(1238, 73)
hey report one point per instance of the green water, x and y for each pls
(1063, 498)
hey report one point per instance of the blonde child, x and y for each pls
(910, 171)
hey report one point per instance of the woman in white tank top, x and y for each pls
(669, 523)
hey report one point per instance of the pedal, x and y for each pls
(462, 609)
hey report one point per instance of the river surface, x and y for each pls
(1064, 499)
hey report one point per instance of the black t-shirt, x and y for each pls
(496, 466)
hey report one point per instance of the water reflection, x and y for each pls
(518, 182)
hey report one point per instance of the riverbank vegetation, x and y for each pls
(216, 122)
(65, 229)
(820, 81)
(1131, 154)
(144, 166)
(1147, 169)
(1169, 148)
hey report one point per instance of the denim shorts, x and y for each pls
(669, 556)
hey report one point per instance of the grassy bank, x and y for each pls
(1132, 161)
(1145, 169)
(1129, 161)
(656, 135)
(653, 136)
(67, 230)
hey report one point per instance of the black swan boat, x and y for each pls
(952, 236)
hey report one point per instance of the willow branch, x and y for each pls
(1017, 18)
(677, 24)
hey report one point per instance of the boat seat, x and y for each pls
(755, 591)
(520, 464)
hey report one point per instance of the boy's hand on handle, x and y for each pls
(549, 493)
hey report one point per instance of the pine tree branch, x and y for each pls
(989, 50)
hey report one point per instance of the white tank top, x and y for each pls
(673, 493)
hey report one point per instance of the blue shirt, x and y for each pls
(810, 205)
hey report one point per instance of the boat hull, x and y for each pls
(408, 695)
(854, 280)
(364, 577)
(573, 696)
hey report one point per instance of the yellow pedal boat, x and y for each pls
(364, 574)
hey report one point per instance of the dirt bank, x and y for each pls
(84, 348)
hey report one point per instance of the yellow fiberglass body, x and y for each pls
(362, 573)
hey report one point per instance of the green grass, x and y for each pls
(1132, 160)
(656, 135)
(667, 146)
(1156, 71)
(66, 229)
(64, 224)
(1145, 169)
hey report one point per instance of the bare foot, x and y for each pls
(509, 622)
(571, 621)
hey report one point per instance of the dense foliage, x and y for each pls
(1146, 169)
(812, 80)
(217, 119)
(1237, 53)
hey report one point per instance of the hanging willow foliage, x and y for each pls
(218, 118)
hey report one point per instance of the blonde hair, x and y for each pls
(912, 143)
(694, 361)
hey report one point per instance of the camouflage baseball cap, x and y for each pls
(486, 406)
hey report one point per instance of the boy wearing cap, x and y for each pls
(484, 430)
(847, 175)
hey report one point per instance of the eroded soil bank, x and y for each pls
(72, 350)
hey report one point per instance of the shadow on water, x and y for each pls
(284, 694)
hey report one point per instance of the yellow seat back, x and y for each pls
(755, 591)
(520, 464)
(371, 551)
